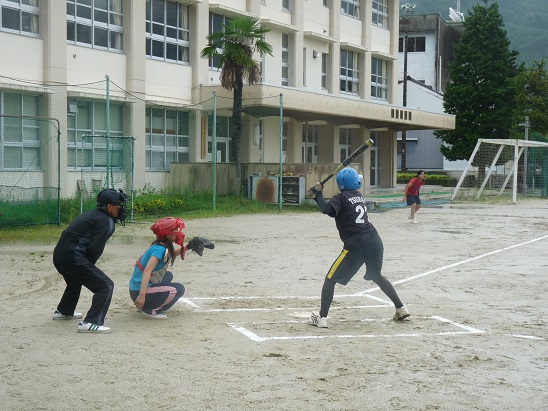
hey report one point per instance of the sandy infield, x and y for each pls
(474, 277)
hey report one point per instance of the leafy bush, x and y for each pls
(431, 179)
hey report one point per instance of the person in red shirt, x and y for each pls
(412, 196)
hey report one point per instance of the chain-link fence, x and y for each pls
(30, 186)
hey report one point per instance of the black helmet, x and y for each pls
(111, 196)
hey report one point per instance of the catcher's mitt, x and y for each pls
(197, 244)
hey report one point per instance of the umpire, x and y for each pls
(78, 249)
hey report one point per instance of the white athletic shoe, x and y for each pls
(414, 220)
(58, 316)
(154, 316)
(401, 313)
(316, 320)
(409, 217)
(92, 328)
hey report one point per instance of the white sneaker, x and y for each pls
(316, 320)
(409, 217)
(414, 220)
(154, 316)
(58, 316)
(401, 313)
(92, 328)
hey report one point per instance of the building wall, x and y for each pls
(61, 72)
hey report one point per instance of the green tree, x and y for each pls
(241, 37)
(482, 92)
(532, 99)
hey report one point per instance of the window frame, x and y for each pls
(353, 80)
(180, 44)
(31, 12)
(351, 8)
(85, 153)
(85, 16)
(345, 142)
(178, 151)
(379, 13)
(214, 62)
(285, 59)
(379, 79)
(28, 148)
(415, 44)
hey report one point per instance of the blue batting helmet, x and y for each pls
(349, 179)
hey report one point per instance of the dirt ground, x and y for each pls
(474, 277)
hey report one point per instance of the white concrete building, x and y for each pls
(334, 63)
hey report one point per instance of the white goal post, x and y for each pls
(495, 161)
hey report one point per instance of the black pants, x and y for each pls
(91, 277)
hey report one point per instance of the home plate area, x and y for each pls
(346, 320)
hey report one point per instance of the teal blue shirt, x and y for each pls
(155, 250)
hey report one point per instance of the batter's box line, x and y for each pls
(191, 302)
(464, 329)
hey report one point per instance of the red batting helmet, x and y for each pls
(169, 225)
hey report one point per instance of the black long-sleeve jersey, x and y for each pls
(350, 212)
(84, 239)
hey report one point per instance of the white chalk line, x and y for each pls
(479, 257)
(253, 336)
(189, 301)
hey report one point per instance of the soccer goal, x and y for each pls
(509, 167)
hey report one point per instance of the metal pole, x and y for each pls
(281, 155)
(404, 132)
(214, 150)
(525, 156)
(58, 174)
(108, 128)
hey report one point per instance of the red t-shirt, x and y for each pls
(414, 189)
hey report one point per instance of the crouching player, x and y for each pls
(151, 287)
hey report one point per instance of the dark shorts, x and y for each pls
(411, 199)
(350, 261)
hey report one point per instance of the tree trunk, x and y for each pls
(237, 130)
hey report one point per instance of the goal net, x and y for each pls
(505, 167)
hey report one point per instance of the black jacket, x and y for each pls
(84, 240)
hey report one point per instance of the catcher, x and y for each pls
(151, 287)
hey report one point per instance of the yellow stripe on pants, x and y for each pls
(336, 264)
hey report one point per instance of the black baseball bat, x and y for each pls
(346, 161)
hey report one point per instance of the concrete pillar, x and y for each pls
(55, 105)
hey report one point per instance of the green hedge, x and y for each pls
(431, 179)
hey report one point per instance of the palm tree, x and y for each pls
(240, 39)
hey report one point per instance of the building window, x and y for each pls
(19, 137)
(89, 119)
(285, 131)
(285, 59)
(285, 5)
(379, 81)
(326, 3)
(20, 16)
(380, 13)
(324, 71)
(97, 23)
(216, 25)
(350, 8)
(309, 147)
(349, 76)
(167, 30)
(345, 143)
(167, 138)
(223, 132)
(414, 44)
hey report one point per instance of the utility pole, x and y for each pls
(526, 124)
(404, 132)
